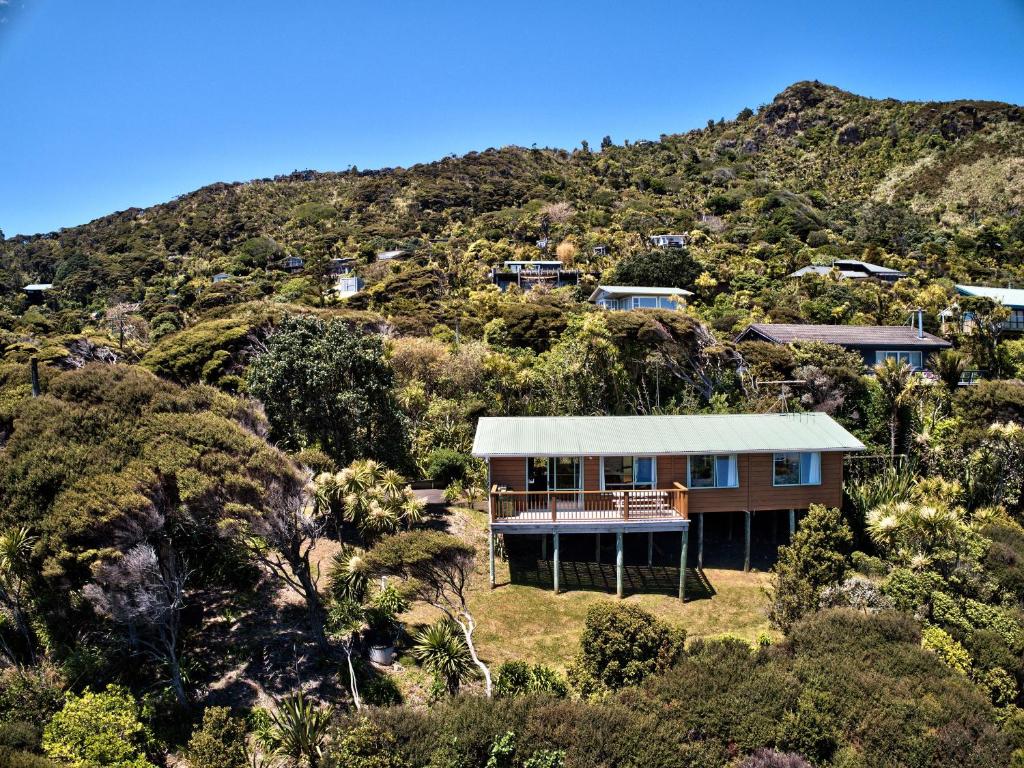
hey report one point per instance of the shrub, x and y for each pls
(770, 758)
(815, 560)
(219, 742)
(98, 730)
(444, 466)
(18, 735)
(516, 678)
(621, 645)
(365, 745)
(952, 653)
(30, 694)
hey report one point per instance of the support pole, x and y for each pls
(792, 524)
(700, 541)
(682, 563)
(597, 548)
(34, 366)
(746, 540)
(543, 546)
(490, 554)
(557, 564)
(650, 548)
(619, 563)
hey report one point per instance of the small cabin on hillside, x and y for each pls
(852, 269)
(1011, 298)
(293, 263)
(220, 277)
(393, 255)
(37, 291)
(628, 297)
(876, 343)
(529, 274)
(643, 479)
(669, 241)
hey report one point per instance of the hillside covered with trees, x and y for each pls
(205, 511)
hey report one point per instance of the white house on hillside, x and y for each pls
(638, 297)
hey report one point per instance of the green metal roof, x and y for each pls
(653, 435)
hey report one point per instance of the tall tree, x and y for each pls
(329, 385)
(897, 386)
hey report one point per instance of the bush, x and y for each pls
(98, 730)
(20, 735)
(621, 645)
(815, 560)
(770, 758)
(516, 678)
(444, 466)
(30, 694)
(219, 742)
(10, 758)
(364, 745)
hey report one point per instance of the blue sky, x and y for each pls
(110, 104)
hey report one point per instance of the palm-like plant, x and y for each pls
(376, 500)
(347, 575)
(15, 556)
(897, 385)
(299, 729)
(949, 366)
(442, 649)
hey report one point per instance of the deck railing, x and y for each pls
(569, 506)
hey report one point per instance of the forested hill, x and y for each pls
(815, 173)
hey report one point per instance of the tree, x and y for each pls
(366, 745)
(375, 499)
(281, 539)
(441, 648)
(897, 387)
(146, 593)
(345, 619)
(665, 267)
(328, 384)
(621, 645)
(15, 562)
(948, 365)
(98, 730)
(219, 742)
(436, 567)
(814, 560)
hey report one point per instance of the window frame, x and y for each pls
(799, 469)
(734, 460)
(901, 355)
(551, 469)
(631, 486)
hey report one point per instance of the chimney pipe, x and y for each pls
(920, 323)
(34, 363)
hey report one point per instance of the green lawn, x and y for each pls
(533, 624)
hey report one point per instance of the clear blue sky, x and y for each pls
(110, 104)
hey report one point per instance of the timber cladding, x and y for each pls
(756, 491)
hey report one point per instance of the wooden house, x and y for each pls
(875, 343)
(650, 475)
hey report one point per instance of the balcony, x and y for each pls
(510, 508)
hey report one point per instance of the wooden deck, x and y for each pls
(663, 509)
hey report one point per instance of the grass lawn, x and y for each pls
(534, 624)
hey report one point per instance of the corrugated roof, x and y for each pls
(38, 287)
(653, 435)
(638, 290)
(1010, 297)
(846, 335)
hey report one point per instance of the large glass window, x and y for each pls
(628, 472)
(561, 473)
(913, 359)
(645, 302)
(713, 472)
(797, 469)
(668, 302)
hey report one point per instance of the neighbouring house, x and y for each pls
(528, 274)
(341, 266)
(220, 277)
(392, 255)
(644, 478)
(669, 241)
(852, 269)
(638, 297)
(1011, 298)
(600, 250)
(35, 292)
(293, 263)
(876, 343)
(348, 285)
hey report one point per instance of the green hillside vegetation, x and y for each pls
(195, 509)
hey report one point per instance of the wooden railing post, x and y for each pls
(490, 502)
(554, 509)
(625, 506)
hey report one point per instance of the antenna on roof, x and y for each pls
(783, 392)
